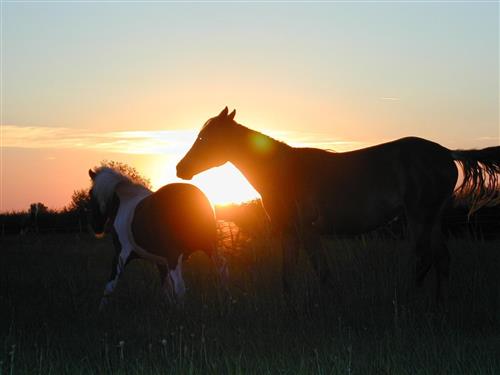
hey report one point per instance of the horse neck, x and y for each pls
(258, 160)
(127, 192)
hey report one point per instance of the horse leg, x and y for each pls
(162, 271)
(166, 283)
(442, 264)
(425, 258)
(317, 257)
(179, 287)
(441, 255)
(430, 248)
(289, 248)
(114, 266)
(420, 231)
(119, 263)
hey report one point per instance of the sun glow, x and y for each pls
(222, 185)
(225, 185)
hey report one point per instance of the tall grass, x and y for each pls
(373, 321)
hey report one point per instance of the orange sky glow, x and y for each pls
(58, 160)
(83, 82)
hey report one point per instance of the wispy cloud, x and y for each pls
(128, 142)
(488, 138)
(151, 142)
(315, 139)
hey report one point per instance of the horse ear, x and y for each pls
(231, 115)
(223, 113)
(92, 174)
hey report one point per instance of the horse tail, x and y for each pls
(481, 177)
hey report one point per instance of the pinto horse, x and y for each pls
(164, 227)
(309, 192)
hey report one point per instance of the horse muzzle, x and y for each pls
(183, 173)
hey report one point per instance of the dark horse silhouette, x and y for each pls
(308, 192)
(164, 226)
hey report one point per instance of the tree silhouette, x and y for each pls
(38, 208)
(79, 200)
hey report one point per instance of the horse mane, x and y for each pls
(275, 141)
(106, 181)
(283, 144)
(206, 123)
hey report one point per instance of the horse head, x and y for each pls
(211, 148)
(102, 207)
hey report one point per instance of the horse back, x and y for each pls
(374, 183)
(391, 166)
(176, 217)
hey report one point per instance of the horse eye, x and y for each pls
(200, 138)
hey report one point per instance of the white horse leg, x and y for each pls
(111, 285)
(108, 290)
(178, 281)
(168, 289)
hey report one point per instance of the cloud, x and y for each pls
(128, 142)
(317, 140)
(145, 142)
(488, 138)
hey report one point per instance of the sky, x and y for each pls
(133, 82)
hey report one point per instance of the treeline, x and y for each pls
(250, 217)
(38, 218)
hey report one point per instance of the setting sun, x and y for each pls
(222, 185)
(225, 185)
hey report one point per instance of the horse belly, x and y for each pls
(354, 216)
(170, 223)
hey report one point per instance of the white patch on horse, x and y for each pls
(110, 287)
(130, 196)
(105, 183)
(108, 182)
(168, 289)
(177, 279)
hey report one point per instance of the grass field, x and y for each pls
(373, 322)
